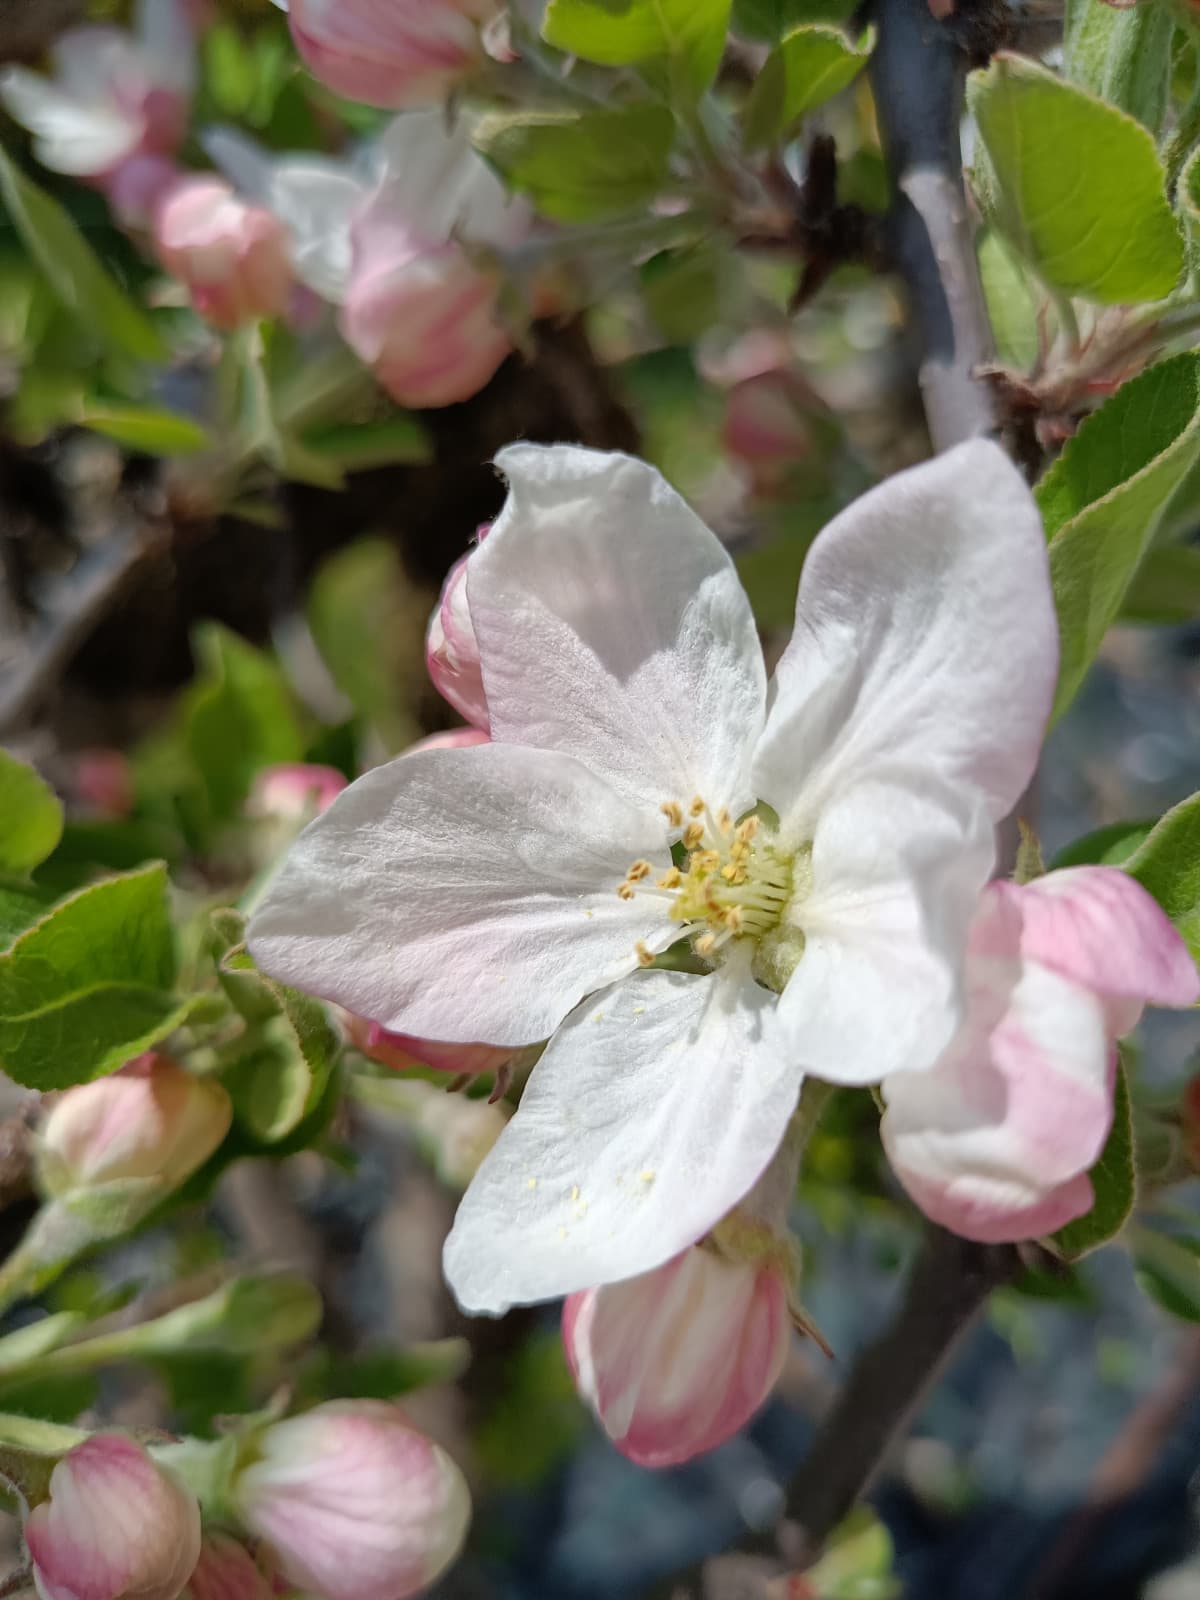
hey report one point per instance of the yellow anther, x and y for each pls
(696, 809)
(626, 891)
(706, 860)
(673, 812)
(733, 917)
(638, 871)
(729, 871)
(724, 820)
(670, 880)
(645, 957)
(747, 828)
(692, 835)
(705, 944)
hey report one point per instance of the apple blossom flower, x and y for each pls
(451, 650)
(833, 839)
(676, 1361)
(995, 1141)
(114, 95)
(226, 1571)
(232, 257)
(392, 238)
(116, 1526)
(293, 791)
(150, 1120)
(392, 53)
(353, 1502)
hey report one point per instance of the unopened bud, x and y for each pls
(354, 1503)
(675, 1361)
(402, 54)
(403, 1051)
(116, 1526)
(226, 1571)
(451, 651)
(151, 1120)
(231, 256)
(294, 791)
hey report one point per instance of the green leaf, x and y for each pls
(20, 907)
(1165, 588)
(1095, 225)
(769, 20)
(626, 33)
(1104, 498)
(858, 1563)
(32, 817)
(386, 1374)
(1106, 847)
(1011, 302)
(239, 717)
(146, 429)
(90, 985)
(355, 446)
(1167, 865)
(575, 166)
(1122, 54)
(682, 291)
(1188, 197)
(73, 270)
(807, 68)
(1168, 1269)
(1114, 1180)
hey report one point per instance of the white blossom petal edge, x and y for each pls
(829, 850)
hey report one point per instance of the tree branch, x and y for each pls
(917, 74)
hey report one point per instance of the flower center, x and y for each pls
(729, 882)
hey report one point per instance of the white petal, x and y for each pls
(463, 894)
(925, 634)
(897, 869)
(611, 625)
(168, 41)
(655, 1108)
(72, 137)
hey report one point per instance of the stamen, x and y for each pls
(692, 835)
(705, 944)
(697, 807)
(673, 812)
(626, 891)
(638, 871)
(645, 958)
(724, 820)
(670, 880)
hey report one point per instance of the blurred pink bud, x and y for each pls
(227, 1571)
(451, 653)
(354, 1503)
(391, 53)
(136, 187)
(767, 419)
(995, 1141)
(423, 317)
(402, 1052)
(450, 739)
(113, 95)
(676, 1361)
(116, 1526)
(150, 1120)
(233, 257)
(103, 782)
(294, 791)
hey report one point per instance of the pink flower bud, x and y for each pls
(402, 1052)
(354, 1503)
(996, 1139)
(136, 187)
(233, 257)
(451, 739)
(391, 53)
(294, 791)
(226, 1571)
(767, 420)
(451, 653)
(116, 1526)
(102, 782)
(423, 317)
(150, 1120)
(676, 1361)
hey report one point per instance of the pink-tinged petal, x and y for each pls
(654, 1110)
(996, 1140)
(232, 257)
(452, 652)
(451, 739)
(469, 892)
(227, 1571)
(294, 790)
(1099, 926)
(390, 53)
(896, 871)
(676, 1361)
(116, 1526)
(402, 1051)
(925, 639)
(354, 1503)
(612, 626)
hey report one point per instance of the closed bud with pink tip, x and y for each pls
(391, 53)
(675, 1361)
(353, 1502)
(231, 256)
(115, 1526)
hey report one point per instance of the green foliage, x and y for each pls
(146, 429)
(1104, 498)
(576, 166)
(32, 817)
(1122, 54)
(808, 67)
(858, 1563)
(386, 1374)
(73, 271)
(1168, 1269)
(1114, 1179)
(1011, 302)
(1165, 588)
(91, 984)
(1096, 225)
(356, 446)
(1106, 847)
(688, 34)
(683, 291)
(769, 20)
(1167, 864)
